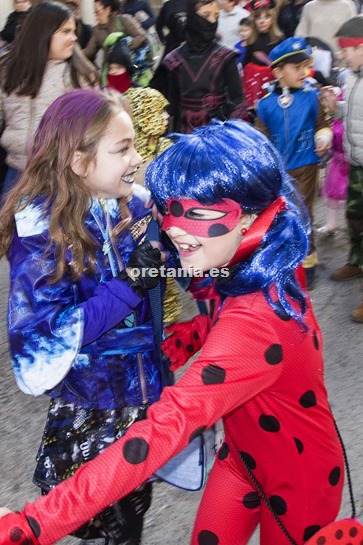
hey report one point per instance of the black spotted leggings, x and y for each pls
(231, 510)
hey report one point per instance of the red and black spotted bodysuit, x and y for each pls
(263, 373)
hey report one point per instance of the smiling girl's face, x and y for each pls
(206, 237)
(111, 174)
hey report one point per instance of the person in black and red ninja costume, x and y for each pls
(228, 204)
(200, 78)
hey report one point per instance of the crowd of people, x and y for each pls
(257, 114)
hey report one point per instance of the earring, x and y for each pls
(243, 231)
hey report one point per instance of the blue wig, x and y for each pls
(233, 160)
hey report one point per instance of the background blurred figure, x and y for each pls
(83, 31)
(139, 61)
(200, 78)
(336, 179)
(15, 20)
(288, 15)
(32, 78)
(144, 14)
(323, 18)
(248, 33)
(228, 23)
(293, 117)
(350, 41)
(120, 69)
(173, 17)
(134, 7)
(108, 20)
(256, 65)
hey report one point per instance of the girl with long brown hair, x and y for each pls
(80, 328)
(42, 63)
(256, 65)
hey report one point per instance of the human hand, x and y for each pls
(181, 344)
(321, 147)
(143, 270)
(329, 98)
(15, 529)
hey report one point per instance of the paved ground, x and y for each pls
(170, 520)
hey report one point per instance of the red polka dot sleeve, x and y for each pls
(237, 362)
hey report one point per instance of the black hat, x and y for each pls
(120, 54)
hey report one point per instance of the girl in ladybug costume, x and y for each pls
(227, 203)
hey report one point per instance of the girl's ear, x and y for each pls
(246, 222)
(78, 164)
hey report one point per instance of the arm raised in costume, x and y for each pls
(230, 370)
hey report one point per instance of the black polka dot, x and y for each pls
(353, 531)
(334, 476)
(279, 504)
(197, 432)
(299, 445)
(316, 340)
(273, 354)
(178, 343)
(281, 312)
(308, 399)
(16, 534)
(206, 537)
(269, 423)
(27, 541)
(213, 374)
(135, 450)
(176, 209)
(217, 230)
(339, 534)
(321, 540)
(310, 531)
(248, 459)
(34, 525)
(223, 452)
(189, 348)
(251, 500)
(196, 335)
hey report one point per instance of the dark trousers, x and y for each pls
(354, 215)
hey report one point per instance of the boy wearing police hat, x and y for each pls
(292, 116)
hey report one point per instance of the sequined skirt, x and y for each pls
(74, 435)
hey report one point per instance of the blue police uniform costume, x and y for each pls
(291, 117)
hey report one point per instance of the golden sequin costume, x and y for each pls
(148, 113)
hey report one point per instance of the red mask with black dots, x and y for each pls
(187, 215)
